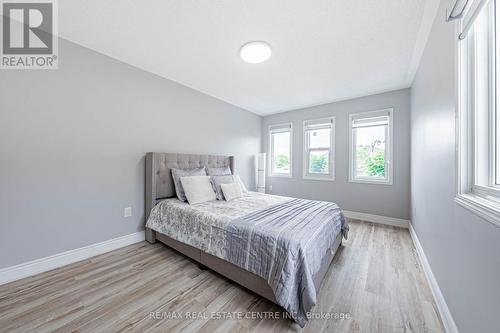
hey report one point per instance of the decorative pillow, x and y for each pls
(178, 173)
(222, 171)
(238, 180)
(231, 191)
(198, 189)
(218, 180)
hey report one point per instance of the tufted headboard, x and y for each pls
(159, 182)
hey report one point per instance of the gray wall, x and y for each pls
(385, 200)
(463, 250)
(72, 145)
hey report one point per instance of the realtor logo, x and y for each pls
(29, 34)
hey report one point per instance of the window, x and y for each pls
(280, 141)
(370, 159)
(318, 148)
(478, 121)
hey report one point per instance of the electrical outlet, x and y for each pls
(127, 212)
(270, 188)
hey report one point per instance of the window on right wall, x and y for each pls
(478, 121)
(370, 153)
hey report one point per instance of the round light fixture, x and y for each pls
(255, 52)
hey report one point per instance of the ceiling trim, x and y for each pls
(430, 13)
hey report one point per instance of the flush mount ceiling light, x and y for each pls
(255, 52)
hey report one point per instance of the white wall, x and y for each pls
(385, 200)
(463, 250)
(72, 146)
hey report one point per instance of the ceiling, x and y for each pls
(323, 50)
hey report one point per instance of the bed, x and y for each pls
(278, 247)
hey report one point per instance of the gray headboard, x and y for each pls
(159, 182)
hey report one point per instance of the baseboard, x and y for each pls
(30, 268)
(377, 219)
(444, 311)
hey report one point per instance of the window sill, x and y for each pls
(328, 179)
(485, 208)
(369, 181)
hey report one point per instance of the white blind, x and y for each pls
(373, 121)
(280, 128)
(316, 124)
(375, 118)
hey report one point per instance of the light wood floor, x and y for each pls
(375, 280)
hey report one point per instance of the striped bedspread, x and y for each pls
(285, 244)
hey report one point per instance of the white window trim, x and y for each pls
(482, 201)
(389, 152)
(270, 163)
(305, 158)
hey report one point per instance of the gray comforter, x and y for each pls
(282, 240)
(285, 245)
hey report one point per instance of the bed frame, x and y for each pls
(160, 185)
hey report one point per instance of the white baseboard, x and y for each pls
(30, 268)
(444, 311)
(377, 219)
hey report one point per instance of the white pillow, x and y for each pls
(231, 191)
(198, 189)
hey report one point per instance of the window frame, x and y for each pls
(271, 152)
(389, 149)
(306, 150)
(482, 200)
